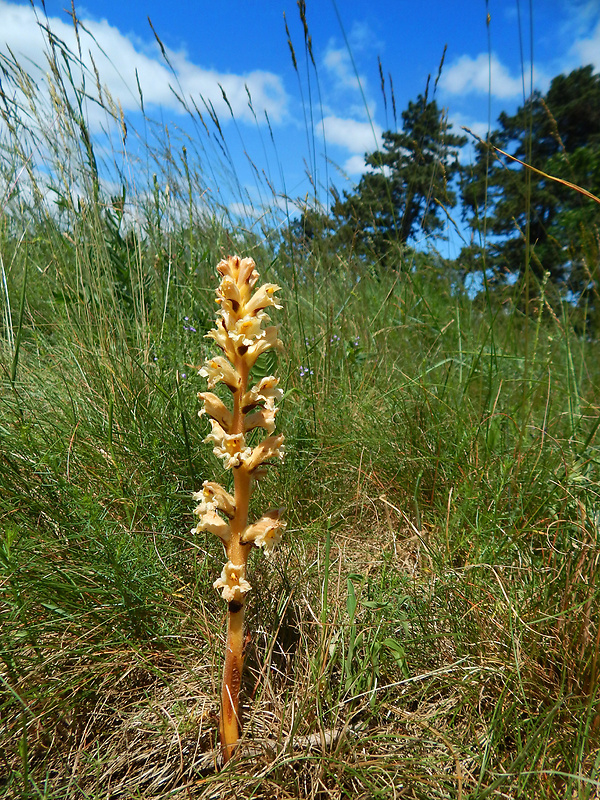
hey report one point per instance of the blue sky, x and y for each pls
(341, 115)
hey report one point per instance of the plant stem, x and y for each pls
(232, 676)
(237, 553)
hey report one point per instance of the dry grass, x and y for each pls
(143, 722)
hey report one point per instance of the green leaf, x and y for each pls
(351, 602)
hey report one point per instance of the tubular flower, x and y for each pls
(242, 334)
(266, 342)
(222, 338)
(269, 448)
(267, 531)
(231, 447)
(219, 369)
(267, 392)
(233, 582)
(228, 292)
(212, 522)
(263, 418)
(263, 298)
(242, 271)
(213, 497)
(216, 409)
(247, 330)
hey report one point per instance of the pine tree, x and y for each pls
(558, 134)
(407, 189)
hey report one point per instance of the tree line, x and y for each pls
(523, 224)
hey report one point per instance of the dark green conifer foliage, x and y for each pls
(408, 186)
(559, 134)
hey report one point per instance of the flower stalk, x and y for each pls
(242, 335)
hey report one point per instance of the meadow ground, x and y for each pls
(429, 629)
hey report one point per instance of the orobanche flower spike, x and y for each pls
(242, 334)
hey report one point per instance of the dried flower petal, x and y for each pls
(233, 582)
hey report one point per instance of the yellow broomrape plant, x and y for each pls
(242, 334)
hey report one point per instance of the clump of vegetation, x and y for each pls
(430, 629)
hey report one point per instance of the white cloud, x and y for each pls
(343, 77)
(478, 127)
(338, 62)
(348, 89)
(363, 39)
(472, 76)
(357, 137)
(117, 57)
(355, 165)
(588, 49)
(339, 66)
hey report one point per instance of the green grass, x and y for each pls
(428, 630)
